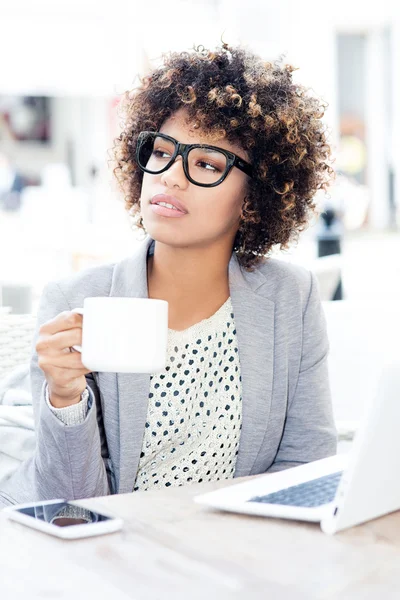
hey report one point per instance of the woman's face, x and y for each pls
(212, 214)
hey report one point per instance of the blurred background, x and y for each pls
(65, 66)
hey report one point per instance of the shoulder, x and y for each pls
(281, 270)
(294, 290)
(92, 281)
(281, 280)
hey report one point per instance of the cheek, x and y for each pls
(229, 200)
(217, 210)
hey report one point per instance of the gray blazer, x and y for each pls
(287, 414)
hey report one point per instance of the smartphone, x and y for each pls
(63, 519)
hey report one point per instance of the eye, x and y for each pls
(160, 153)
(208, 166)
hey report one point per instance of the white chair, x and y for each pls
(16, 334)
(17, 435)
(363, 338)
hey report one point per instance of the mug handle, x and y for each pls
(80, 312)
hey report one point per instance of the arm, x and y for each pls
(309, 433)
(70, 461)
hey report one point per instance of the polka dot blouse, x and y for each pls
(194, 415)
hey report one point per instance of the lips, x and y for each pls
(169, 200)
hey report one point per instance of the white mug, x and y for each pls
(124, 335)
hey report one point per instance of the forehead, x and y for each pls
(185, 131)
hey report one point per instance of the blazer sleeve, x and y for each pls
(70, 461)
(309, 432)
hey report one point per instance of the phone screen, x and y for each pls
(62, 514)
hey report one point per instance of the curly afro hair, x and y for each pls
(231, 93)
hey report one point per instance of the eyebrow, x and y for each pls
(210, 147)
(212, 150)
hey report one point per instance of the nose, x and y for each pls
(175, 175)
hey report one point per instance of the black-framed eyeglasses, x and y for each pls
(203, 165)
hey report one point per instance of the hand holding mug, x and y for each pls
(63, 369)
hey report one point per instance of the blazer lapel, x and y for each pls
(254, 320)
(130, 280)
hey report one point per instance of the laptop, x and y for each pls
(340, 491)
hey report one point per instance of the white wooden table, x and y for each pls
(173, 548)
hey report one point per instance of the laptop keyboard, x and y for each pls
(310, 493)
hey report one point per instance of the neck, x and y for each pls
(190, 273)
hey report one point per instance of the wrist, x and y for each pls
(63, 402)
(71, 414)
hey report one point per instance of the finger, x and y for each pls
(69, 360)
(57, 342)
(62, 374)
(62, 322)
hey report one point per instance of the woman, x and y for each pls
(219, 159)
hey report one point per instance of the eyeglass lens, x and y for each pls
(205, 165)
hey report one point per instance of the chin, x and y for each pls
(170, 236)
